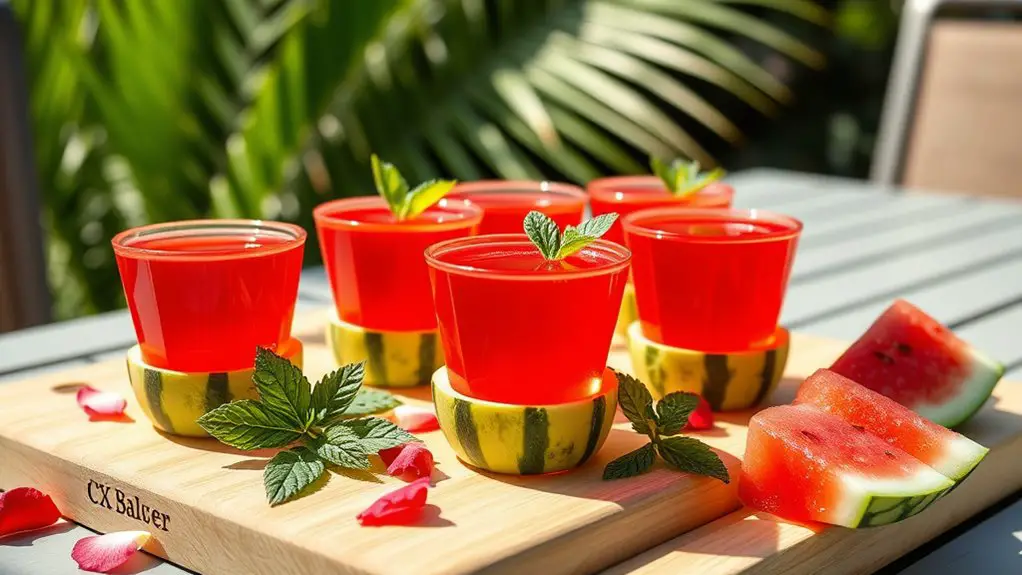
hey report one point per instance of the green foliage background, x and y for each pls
(155, 110)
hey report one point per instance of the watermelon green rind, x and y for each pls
(524, 439)
(174, 400)
(985, 372)
(885, 501)
(393, 359)
(963, 455)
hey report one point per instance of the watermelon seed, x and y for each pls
(904, 349)
(812, 436)
(859, 428)
(889, 454)
(884, 358)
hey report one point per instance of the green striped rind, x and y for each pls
(727, 381)
(524, 440)
(173, 400)
(393, 359)
(984, 373)
(886, 510)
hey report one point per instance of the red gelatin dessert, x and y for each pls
(204, 294)
(506, 203)
(626, 194)
(519, 329)
(710, 280)
(374, 261)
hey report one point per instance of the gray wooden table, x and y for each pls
(958, 258)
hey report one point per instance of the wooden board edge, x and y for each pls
(105, 504)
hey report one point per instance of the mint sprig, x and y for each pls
(555, 245)
(683, 178)
(662, 423)
(325, 419)
(406, 203)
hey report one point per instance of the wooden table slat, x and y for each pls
(950, 302)
(914, 236)
(998, 335)
(809, 301)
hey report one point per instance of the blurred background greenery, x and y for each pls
(154, 110)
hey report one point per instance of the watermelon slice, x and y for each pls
(911, 358)
(950, 453)
(803, 464)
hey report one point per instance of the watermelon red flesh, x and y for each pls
(911, 358)
(806, 465)
(950, 453)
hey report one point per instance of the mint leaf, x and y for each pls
(697, 181)
(544, 233)
(574, 239)
(666, 173)
(341, 446)
(246, 425)
(631, 464)
(334, 394)
(406, 204)
(673, 411)
(636, 402)
(376, 434)
(389, 183)
(554, 245)
(289, 472)
(283, 389)
(371, 401)
(692, 456)
(683, 178)
(423, 196)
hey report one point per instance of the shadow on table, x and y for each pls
(28, 538)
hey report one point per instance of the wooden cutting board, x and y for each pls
(213, 516)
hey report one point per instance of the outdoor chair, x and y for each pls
(952, 118)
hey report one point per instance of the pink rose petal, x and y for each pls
(98, 403)
(24, 509)
(399, 507)
(702, 417)
(408, 461)
(103, 553)
(415, 419)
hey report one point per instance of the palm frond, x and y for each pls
(148, 111)
(591, 80)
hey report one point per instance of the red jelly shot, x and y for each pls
(627, 194)
(519, 329)
(710, 280)
(204, 294)
(506, 203)
(374, 261)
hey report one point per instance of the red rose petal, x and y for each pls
(25, 508)
(399, 507)
(702, 417)
(101, 403)
(408, 461)
(415, 419)
(104, 553)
